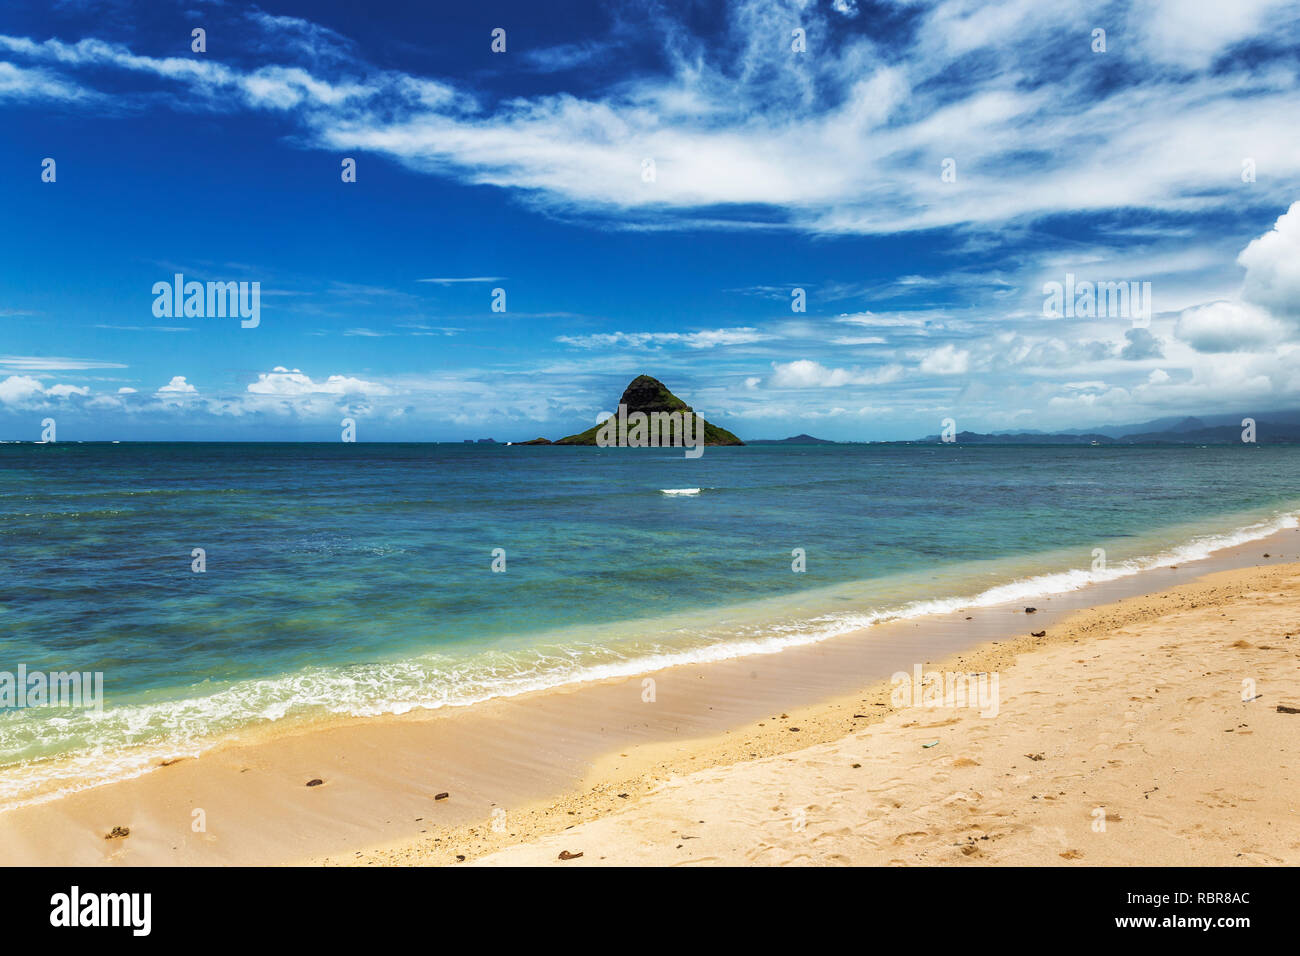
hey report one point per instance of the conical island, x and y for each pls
(649, 396)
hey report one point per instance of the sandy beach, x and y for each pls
(1120, 736)
(1122, 739)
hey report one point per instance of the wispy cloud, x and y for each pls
(463, 279)
(50, 363)
(705, 339)
(848, 137)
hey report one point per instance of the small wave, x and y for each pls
(680, 491)
(172, 727)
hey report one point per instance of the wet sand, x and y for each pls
(518, 771)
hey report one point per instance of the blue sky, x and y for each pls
(1169, 157)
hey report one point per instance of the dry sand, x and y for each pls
(1132, 709)
(1122, 738)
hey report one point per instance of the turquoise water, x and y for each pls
(357, 578)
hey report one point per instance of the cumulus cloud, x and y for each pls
(19, 388)
(1228, 327)
(1268, 310)
(284, 383)
(1272, 264)
(178, 386)
(26, 391)
(946, 360)
(1141, 345)
(805, 373)
(63, 391)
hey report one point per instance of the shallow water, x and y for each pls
(357, 578)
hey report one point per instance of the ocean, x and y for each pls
(358, 579)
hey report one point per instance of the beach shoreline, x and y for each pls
(1156, 731)
(545, 759)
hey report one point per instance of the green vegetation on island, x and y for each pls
(649, 396)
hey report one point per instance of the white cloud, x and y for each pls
(49, 363)
(288, 384)
(848, 138)
(1268, 311)
(1190, 33)
(19, 83)
(1228, 327)
(178, 386)
(63, 391)
(805, 373)
(19, 388)
(705, 339)
(25, 391)
(946, 360)
(1272, 265)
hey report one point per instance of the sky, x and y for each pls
(832, 216)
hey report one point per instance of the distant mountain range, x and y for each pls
(793, 440)
(1270, 428)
